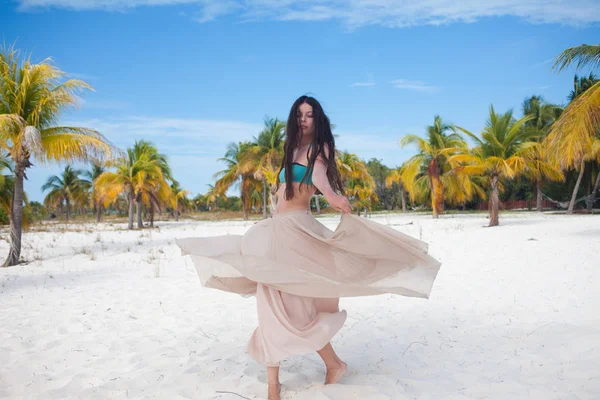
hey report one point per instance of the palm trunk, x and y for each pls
(264, 199)
(244, 204)
(576, 189)
(16, 219)
(273, 200)
(494, 203)
(539, 194)
(436, 189)
(140, 223)
(68, 204)
(99, 212)
(176, 210)
(594, 191)
(403, 194)
(243, 196)
(152, 215)
(130, 219)
(318, 205)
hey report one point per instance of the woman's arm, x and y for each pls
(321, 182)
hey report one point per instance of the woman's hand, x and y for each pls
(340, 203)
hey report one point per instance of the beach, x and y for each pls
(100, 312)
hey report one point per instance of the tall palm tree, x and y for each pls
(496, 155)
(540, 166)
(155, 192)
(136, 176)
(69, 188)
(426, 173)
(32, 98)
(595, 155)
(572, 136)
(236, 174)
(92, 175)
(6, 184)
(265, 156)
(180, 197)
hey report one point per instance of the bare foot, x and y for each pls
(335, 374)
(274, 390)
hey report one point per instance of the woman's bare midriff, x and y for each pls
(300, 201)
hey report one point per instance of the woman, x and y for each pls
(297, 268)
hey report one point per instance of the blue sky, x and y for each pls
(193, 75)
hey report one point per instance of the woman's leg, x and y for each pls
(273, 381)
(336, 368)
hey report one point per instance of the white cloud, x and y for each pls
(363, 84)
(211, 10)
(357, 13)
(174, 135)
(101, 4)
(419, 86)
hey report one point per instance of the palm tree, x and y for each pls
(32, 97)
(584, 55)
(317, 203)
(395, 177)
(265, 156)
(539, 164)
(496, 155)
(92, 175)
(6, 184)
(364, 192)
(68, 188)
(572, 136)
(426, 173)
(581, 84)
(155, 192)
(211, 197)
(236, 174)
(356, 178)
(595, 154)
(180, 197)
(137, 177)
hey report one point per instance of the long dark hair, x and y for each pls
(321, 137)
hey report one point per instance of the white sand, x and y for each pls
(111, 314)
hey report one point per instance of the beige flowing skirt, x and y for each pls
(298, 269)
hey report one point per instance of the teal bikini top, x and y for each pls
(298, 171)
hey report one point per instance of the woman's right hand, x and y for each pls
(340, 203)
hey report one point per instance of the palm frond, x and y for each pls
(571, 137)
(584, 55)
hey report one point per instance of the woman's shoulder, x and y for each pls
(324, 154)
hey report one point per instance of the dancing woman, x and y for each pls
(297, 268)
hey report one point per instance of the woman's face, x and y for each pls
(305, 119)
